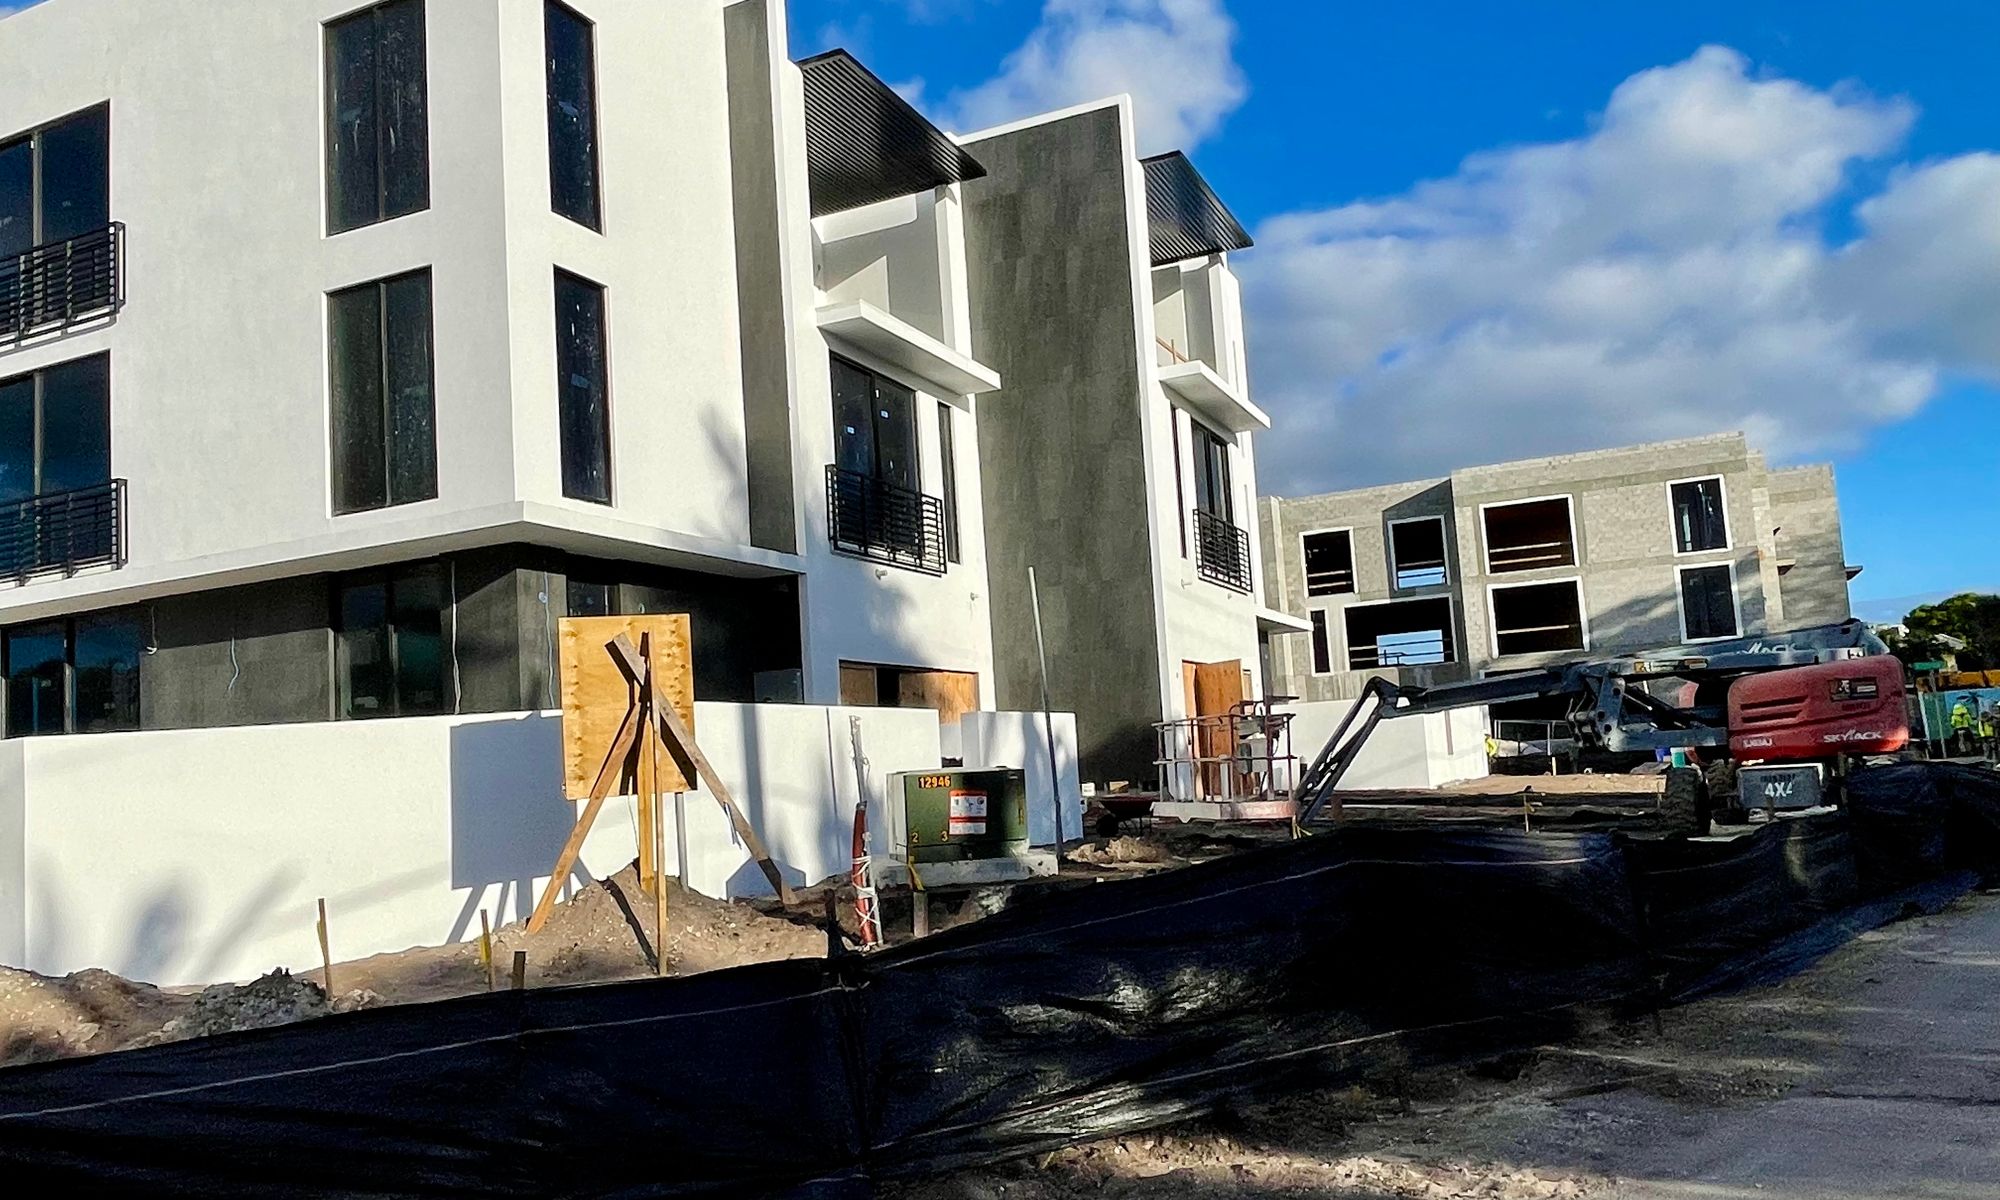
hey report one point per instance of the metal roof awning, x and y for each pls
(1186, 217)
(865, 144)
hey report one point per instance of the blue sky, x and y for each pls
(1490, 231)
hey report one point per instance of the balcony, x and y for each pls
(55, 286)
(63, 532)
(1221, 552)
(879, 521)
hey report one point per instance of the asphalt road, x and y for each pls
(1900, 1095)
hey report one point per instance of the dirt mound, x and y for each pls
(603, 933)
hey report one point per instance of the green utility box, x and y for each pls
(960, 816)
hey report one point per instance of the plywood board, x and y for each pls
(951, 693)
(858, 686)
(1218, 688)
(596, 694)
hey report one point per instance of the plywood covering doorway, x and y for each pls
(951, 694)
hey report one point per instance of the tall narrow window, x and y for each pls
(55, 429)
(377, 116)
(58, 252)
(390, 653)
(948, 463)
(1708, 602)
(37, 680)
(582, 389)
(1329, 558)
(104, 654)
(384, 411)
(569, 42)
(1700, 520)
(1322, 651)
(875, 506)
(1180, 484)
(1212, 492)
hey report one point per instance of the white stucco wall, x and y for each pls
(1405, 752)
(1015, 739)
(219, 379)
(194, 856)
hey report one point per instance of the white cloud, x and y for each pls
(1663, 275)
(1173, 56)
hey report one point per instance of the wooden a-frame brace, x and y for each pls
(681, 744)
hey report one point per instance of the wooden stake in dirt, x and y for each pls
(486, 947)
(652, 828)
(520, 970)
(325, 953)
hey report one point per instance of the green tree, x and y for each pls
(1971, 617)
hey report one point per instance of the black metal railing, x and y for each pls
(1221, 551)
(64, 282)
(63, 531)
(877, 520)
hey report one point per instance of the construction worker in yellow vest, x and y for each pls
(1963, 718)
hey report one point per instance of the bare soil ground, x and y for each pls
(1577, 1121)
(603, 933)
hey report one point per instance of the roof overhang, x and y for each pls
(1207, 394)
(866, 144)
(943, 371)
(1185, 217)
(1270, 620)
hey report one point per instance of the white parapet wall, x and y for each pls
(1405, 752)
(1017, 739)
(189, 857)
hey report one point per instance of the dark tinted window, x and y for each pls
(586, 599)
(76, 175)
(391, 644)
(377, 113)
(55, 429)
(874, 425)
(17, 197)
(1707, 603)
(572, 80)
(948, 463)
(17, 439)
(582, 400)
(1212, 493)
(76, 424)
(1322, 653)
(1700, 523)
(68, 165)
(384, 423)
(106, 656)
(1417, 547)
(37, 687)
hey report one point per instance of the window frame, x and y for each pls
(1575, 543)
(948, 475)
(381, 288)
(1673, 525)
(1450, 630)
(876, 378)
(33, 135)
(1305, 563)
(1444, 547)
(552, 8)
(1200, 433)
(37, 380)
(388, 577)
(609, 423)
(1582, 615)
(329, 134)
(1318, 638)
(68, 627)
(1735, 601)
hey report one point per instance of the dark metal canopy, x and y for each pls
(864, 143)
(1187, 219)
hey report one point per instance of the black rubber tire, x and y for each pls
(1685, 803)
